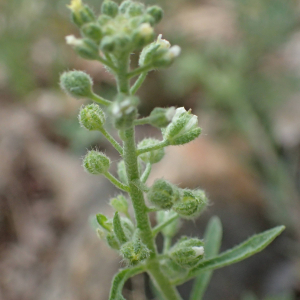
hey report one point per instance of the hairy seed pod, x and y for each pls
(76, 84)
(163, 194)
(191, 204)
(183, 128)
(154, 156)
(96, 162)
(92, 117)
(187, 252)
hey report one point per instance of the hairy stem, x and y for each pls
(116, 145)
(138, 83)
(146, 173)
(157, 146)
(100, 100)
(162, 225)
(116, 182)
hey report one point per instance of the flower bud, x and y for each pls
(156, 12)
(143, 35)
(135, 9)
(76, 84)
(161, 117)
(124, 111)
(153, 156)
(120, 204)
(171, 229)
(191, 203)
(122, 172)
(81, 14)
(92, 117)
(109, 8)
(134, 251)
(183, 128)
(124, 6)
(103, 19)
(92, 31)
(86, 48)
(96, 162)
(108, 44)
(187, 252)
(163, 194)
(104, 222)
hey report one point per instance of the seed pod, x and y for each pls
(120, 204)
(154, 156)
(183, 128)
(92, 31)
(86, 48)
(124, 111)
(76, 84)
(91, 117)
(163, 194)
(109, 8)
(187, 252)
(171, 229)
(156, 12)
(161, 117)
(191, 204)
(96, 162)
(134, 251)
(81, 14)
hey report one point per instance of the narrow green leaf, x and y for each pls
(251, 246)
(118, 229)
(119, 281)
(212, 243)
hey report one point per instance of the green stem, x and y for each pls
(167, 244)
(107, 63)
(116, 145)
(139, 70)
(157, 146)
(138, 83)
(142, 121)
(140, 209)
(100, 100)
(146, 173)
(116, 182)
(162, 225)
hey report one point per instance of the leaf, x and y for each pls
(212, 243)
(118, 229)
(119, 281)
(251, 246)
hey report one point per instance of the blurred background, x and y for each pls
(240, 73)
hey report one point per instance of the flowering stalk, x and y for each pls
(110, 39)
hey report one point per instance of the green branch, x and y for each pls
(109, 137)
(100, 100)
(116, 182)
(138, 83)
(162, 225)
(157, 146)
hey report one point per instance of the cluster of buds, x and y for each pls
(188, 204)
(117, 30)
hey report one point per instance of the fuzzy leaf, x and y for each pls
(250, 247)
(212, 243)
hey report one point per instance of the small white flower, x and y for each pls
(146, 29)
(164, 44)
(174, 51)
(73, 41)
(198, 250)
